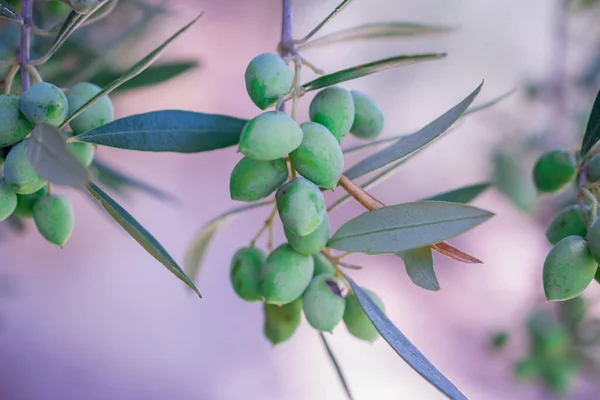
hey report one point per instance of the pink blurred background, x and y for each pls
(101, 319)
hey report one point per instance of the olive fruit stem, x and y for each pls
(35, 75)
(24, 49)
(360, 195)
(296, 87)
(312, 66)
(8, 81)
(268, 225)
(594, 201)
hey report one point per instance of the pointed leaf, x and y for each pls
(414, 142)
(137, 69)
(139, 233)
(462, 195)
(120, 181)
(169, 130)
(592, 132)
(49, 155)
(406, 226)
(403, 346)
(419, 267)
(6, 11)
(329, 17)
(337, 367)
(377, 30)
(195, 253)
(367, 69)
(152, 76)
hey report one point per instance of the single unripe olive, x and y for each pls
(569, 268)
(84, 152)
(594, 168)
(322, 265)
(568, 223)
(18, 171)
(285, 275)
(319, 158)
(98, 114)
(14, 126)
(553, 171)
(282, 321)
(323, 303)
(357, 321)
(301, 206)
(593, 238)
(44, 103)
(253, 180)
(267, 78)
(368, 118)
(8, 200)
(245, 273)
(333, 108)
(527, 369)
(312, 243)
(25, 202)
(54, 218)
(270, 136)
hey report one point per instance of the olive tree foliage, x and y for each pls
(59, 113)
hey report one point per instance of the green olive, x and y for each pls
(301, 206)
(285, 275)
(553, 171)
(54, 218)
(333, 108)
(270, 136)
(8, 201)
(357, 321)
(323, 303)
(14, 126)
(44, 103)
(281, 322)
(568, 223)
(98, 114)
(312, 243)
(245, 273)
(368, 118)
(268, 78)
(18, 171)
(253, 180)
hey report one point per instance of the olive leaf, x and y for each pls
(414, 142)
(139, 233)
(513, 181)
(49, 155)
(377, 30)
(462, 195)
(336, 365)
(592, 132)
(406, 226)
(135, 70)
(7, 12)
(403, 347)
(367, 69)
(168, 131)
(419, 267)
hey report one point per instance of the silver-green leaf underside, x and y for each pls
(419, 267)
(463, 195)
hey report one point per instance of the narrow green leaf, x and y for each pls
(139, 233)
(403, 346)
(329, 17)
(337, 367)
(195, 254)
(48, 154)
(414, 142)
(367, 69)
(419, 267)
(137, 69)
(6, 11)
(462, 195)
(168, 131)
(488, 104)
(592, 132)
(152, 76)
(120, 182)
(377, 30)
(406, 226)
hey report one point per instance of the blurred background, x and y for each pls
(101, 319)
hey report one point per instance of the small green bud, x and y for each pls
(333, 108)
(285, 275)
(319, 158)
(322, 265)
(270, 136)
(84, 152)
(25, 202)
(14, 126)
(44, 103)
(18, 171)
(568, 223)
(553, 171)
(323, 303)
(100, 113)
(268, 78)
(282, 321)
(312, 243)
(245, 273)
(357, 321)
(8, 201)
(253, 180)
(569, 268)
(368, 118)
(301, 206)
(54, 218)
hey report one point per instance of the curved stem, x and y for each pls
(24, 50)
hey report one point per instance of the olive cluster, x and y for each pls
(572, 264)
(23, 193)
(298, 275)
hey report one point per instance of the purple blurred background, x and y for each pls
(101, 319)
